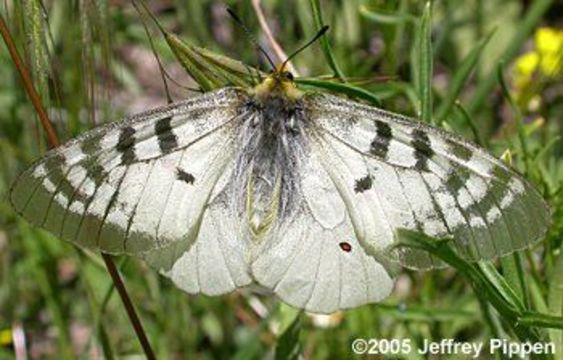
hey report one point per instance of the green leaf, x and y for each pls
(210, 70)
(514, 273)
(289, 344)
(443, 250)
(386, 18)
(347, 89)
(424, 314)
(487, 282)
(541, 320)
(508, 292)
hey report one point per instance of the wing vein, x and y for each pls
(134, 210)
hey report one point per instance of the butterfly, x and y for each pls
(299, 192)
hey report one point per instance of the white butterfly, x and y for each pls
(301, 193)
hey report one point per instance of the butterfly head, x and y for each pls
(279, 83)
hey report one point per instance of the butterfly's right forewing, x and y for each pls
(137, 184)
(395, 172)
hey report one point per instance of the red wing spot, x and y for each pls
(345, 246)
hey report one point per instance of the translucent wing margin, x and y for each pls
(213, 259)
(394, 172)
(136, 184)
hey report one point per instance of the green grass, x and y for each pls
(451, 64)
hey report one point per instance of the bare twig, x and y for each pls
(282, 56)
(54, 142)
(28, 84)
(141, 335)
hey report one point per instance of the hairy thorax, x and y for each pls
(266, 173)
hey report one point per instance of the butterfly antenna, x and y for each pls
(251, 37)
(320, 33)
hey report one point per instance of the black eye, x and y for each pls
(288, 75)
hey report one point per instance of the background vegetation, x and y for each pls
(489, 70)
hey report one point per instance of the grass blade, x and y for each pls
(488, 282)
(347, 89)
(388, 18)
(514, 274)
(319, 23)
(523, 139)
(555, 303)
(469, 121)
(459, 79)
(289, 345)
(425, 62)
(502, 286)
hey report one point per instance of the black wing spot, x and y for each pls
(92, 145)
(363, 184)
(58, 175)
(345, 246)
(456, 179)
(125, 145)
(97, 173)
(380, 144)
(167, 140)
(184, 176)
(460, 151)
(422, 149)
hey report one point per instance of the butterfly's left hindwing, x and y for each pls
(393, 172)
(214, 261)
(137, 184)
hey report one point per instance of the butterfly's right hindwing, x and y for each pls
(314, 260)
(137, 184)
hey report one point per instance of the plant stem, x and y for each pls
(137, 326)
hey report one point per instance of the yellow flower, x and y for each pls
(548, 41)
(527, 64)
(5, 337)
(549, 44)
(545, 59)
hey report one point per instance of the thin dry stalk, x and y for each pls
(282, 56)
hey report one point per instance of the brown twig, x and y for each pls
(282, 56)
(28, 85)
(135, 321)
(53, 140)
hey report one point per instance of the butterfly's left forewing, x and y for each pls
(393, 172)
(137, 184)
